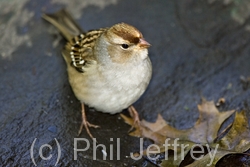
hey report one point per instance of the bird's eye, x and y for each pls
(124, 46)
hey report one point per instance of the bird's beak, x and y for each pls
(143, 43)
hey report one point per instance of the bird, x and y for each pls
(108, 68)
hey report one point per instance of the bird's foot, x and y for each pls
(86, 124)
(134, 114)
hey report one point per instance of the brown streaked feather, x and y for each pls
(127, 32)
(80, 49)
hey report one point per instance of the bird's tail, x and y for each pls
(64, 22)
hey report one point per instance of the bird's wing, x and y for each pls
(80, 50)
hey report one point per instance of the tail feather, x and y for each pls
(64, 22)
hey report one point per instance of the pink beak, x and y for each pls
(143, 43)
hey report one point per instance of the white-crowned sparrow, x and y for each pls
(108, 68)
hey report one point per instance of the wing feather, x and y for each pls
(80, 49)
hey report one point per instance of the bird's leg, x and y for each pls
(86, 124)
(134, 114)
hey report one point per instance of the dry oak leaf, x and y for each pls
(236, 141)
(238, 137)
(204, 131)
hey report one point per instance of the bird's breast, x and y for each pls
(112, 90)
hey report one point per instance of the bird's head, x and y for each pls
(125, 42)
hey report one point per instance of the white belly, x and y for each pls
(112, 101)
(112, 92)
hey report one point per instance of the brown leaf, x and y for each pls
(236, 141)
(206, 127)
(238, 137)
(204, 132)
(208, 124)
(130, 121)
(147, 129)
